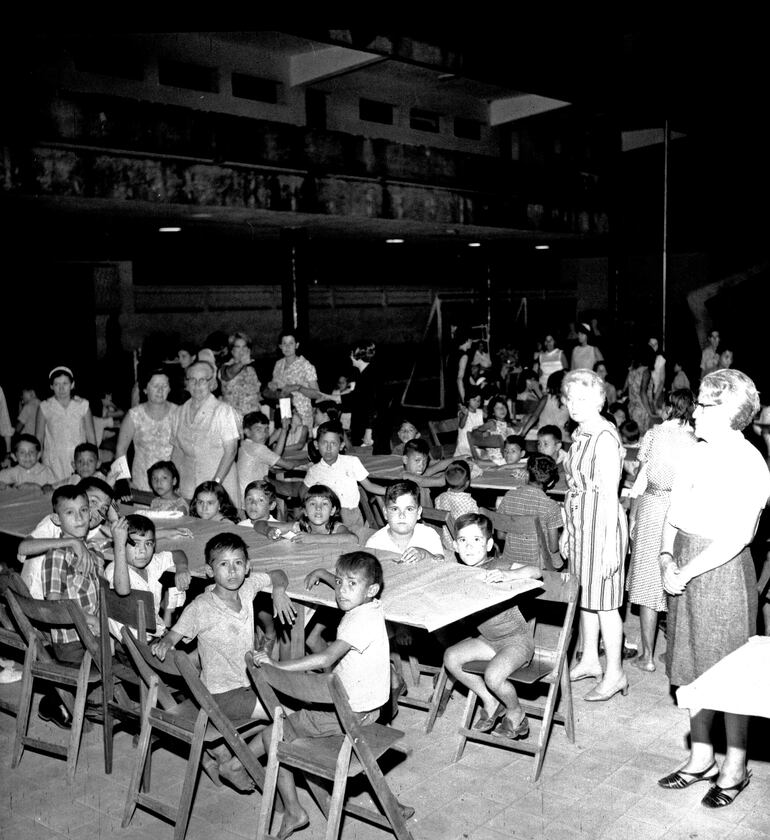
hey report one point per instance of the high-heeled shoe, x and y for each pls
(718, 797)
(486, 723)
(680, 779)
(595, 695)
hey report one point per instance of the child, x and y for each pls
(211, 501)
(629, 435)
(528, 392)
(470, 417)
(255, 457)
(138, 566)
(325, 411)
(321, 515)
(417, 468)
(550, 411)
(618, 411)
(72, 571)
(28, 472)
(679, 381)
(163, 478)
(342, 473)
(498, 423)
(406, 431)
(404, 535)
(530, 500)
(63, 421)
(456, 498)
(259, 502)
(295, 437)
(222, 620)
(344, 386)
(85, 463)
(25, 422)
(515, 452)
(549, 442)
(504, 639)
(359, 656)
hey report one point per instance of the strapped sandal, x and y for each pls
(718, 797)
(681, 778)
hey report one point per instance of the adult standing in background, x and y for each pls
(293, 375)
(459, 368)
(718, 495)
(657, 376)
(637, 388)
(709, 359)
(585, 355)
(206, 436)
(549, 360)
(238, 377)
(6, 429)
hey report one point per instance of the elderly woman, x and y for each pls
(206, 436)
(661, 449)
(240, 385)
(594, 537)
(150, 427)
(718, 494)
(292, 375)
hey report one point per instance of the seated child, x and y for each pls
(406, 431)
(417, 468)
(456, 499)
(325, 411)
(498, 423)
(25, 422)
(163, 478)
(530, 500)
(255, 457)
(629, 436)
(515, 453)
(404, 535)
(70, 571)
(28, 472)
(342, 473)
(259, 502)
(359, 656)
(618, 411)
(469, 417)
(86, 463)
(211, 501)
(222, 620)
(528, 392)
(138, 566)
(549, 442)
(504, 639)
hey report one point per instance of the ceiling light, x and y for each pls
(394, 241)
(169, 230)
(542, 247)
(474, 244)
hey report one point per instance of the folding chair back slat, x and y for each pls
(517, 525)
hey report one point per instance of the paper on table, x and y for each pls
(119, 468)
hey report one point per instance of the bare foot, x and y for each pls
(291, 823)
(643, 664)
(236, 777)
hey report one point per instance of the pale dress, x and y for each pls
(242, 391)
(299, 372)
(152, 441)
(64, 430)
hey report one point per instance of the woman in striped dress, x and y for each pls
(595, 537)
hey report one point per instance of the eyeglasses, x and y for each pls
(706, 405)
(198, 381)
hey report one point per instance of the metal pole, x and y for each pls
(666, 139)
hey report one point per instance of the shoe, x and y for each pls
(677, 780)
(629, 651)
(595, 695)
(508, 730)
(486, 723)
(643, 665)
(593, 675)
(51, 709)
(718, 797)
(9, 675)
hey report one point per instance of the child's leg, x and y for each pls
(454, 659)
(504, 663)
(265, 619)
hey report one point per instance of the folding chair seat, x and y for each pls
(180, 721)
(136, 611)
(28, 613)
(548, 666)
(333, 758)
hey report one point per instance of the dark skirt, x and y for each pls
(715, 615)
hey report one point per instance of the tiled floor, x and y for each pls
(603, 786)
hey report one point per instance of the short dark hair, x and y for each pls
(458, 475)
(402, 488)
(331, 427)
(516, 440)
(466, 519)
(682, 402)
(630, 429)
(169, 466)
(419, 445)
(86, 447)
(66, 492)
(226, 541)
(328, 407)
(553, 431)
(97, 483)
(255, 418)
(364, 562)
(138, 524)
(542, 470)
(267, 487)
(27, 439)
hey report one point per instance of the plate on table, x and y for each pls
(163, 514)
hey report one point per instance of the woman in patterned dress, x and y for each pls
(150, 427)
(660, 449)
(594, 538)
(291, 373)
(719, 492)
(240, 384)
(637, 387)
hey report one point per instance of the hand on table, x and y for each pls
(161, 648)
(313, 579)
(283, 608)
(413, 555)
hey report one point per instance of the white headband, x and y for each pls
(63, 370)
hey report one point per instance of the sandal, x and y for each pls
(677, 780)
(718, 797)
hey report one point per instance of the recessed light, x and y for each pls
(474, 244)
(542, 247)
(394, 241)
(169, 230)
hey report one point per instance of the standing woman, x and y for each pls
(718, 495)
(550, 360)
(661, 449)
(206, 436)
(150, 427)
(657, 376)
(637, 388)
(240, 384)
(585, 355)
(291, 374)
(709, 358)
(63, 421)
(594, 538)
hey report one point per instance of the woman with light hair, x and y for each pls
(718, 494)
(594, 539)
(239, 380)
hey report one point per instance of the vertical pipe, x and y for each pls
(666, 140)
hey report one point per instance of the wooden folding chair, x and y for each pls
(136, 611)
(40, 665)
(548, 666)
(447, 429)
(528, 527)
(181, 721)
(371, 509)
(334, 758)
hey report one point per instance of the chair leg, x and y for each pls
(141, 757)
(78, 716)
(334, 817)
(414, 667)
(437, 699)
(190, 777)
(271, 779)
(22, 718)
(566, 701)
(470, 706)
(108, 725)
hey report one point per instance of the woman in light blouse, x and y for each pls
(718, 493)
